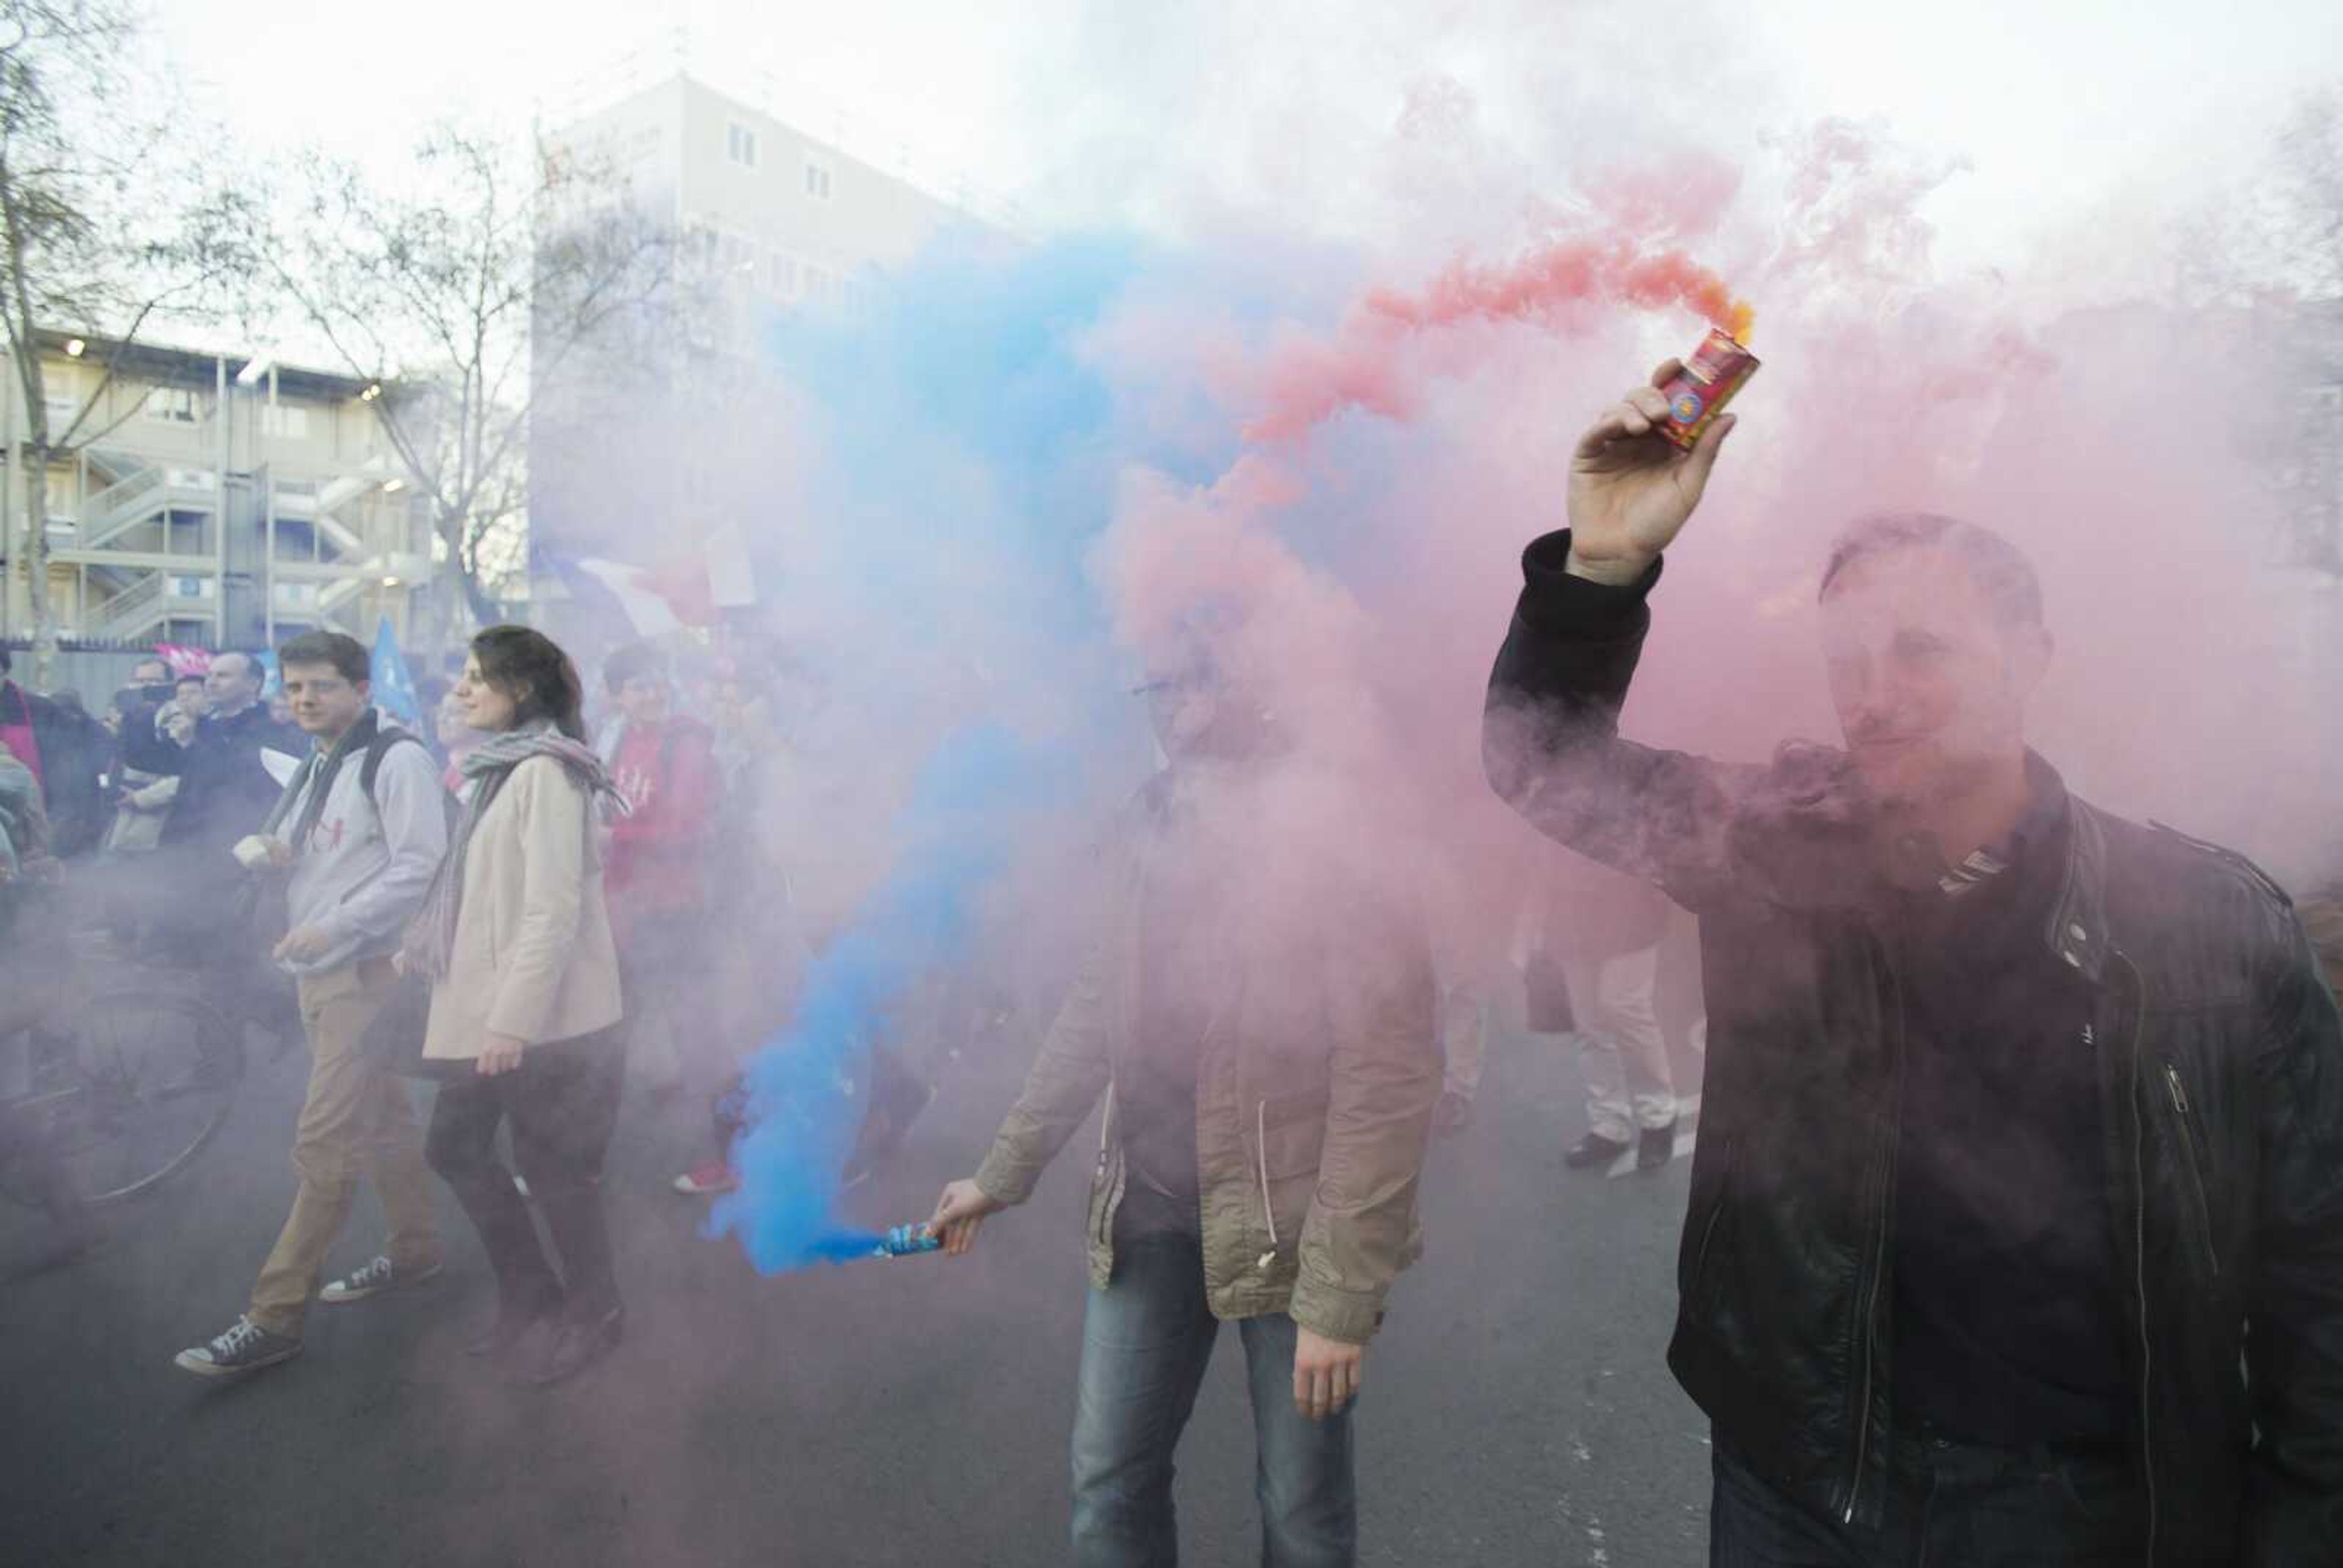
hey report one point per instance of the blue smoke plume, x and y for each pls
(805, 1090)
(957, 422)
(968, 437)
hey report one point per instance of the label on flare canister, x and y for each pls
(906, 1241)
(1698, 393)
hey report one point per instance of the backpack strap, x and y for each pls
(389, 736)
(451, 809)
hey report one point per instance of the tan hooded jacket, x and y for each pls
(1314, 1093)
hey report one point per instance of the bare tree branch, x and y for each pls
(461, 297)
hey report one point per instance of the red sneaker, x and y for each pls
(701, 1180)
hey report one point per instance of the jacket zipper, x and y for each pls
(1261, 1163)
(1870, 1347)
(1878, 1259)
(1105, 1228)
(1715, 1212)
(2139, 1260)
(2182, 1113)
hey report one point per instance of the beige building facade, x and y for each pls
(215, 499)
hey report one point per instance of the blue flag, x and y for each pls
(394, 687)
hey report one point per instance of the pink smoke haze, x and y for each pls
(2116, 446)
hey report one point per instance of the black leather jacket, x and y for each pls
(2220, 1065)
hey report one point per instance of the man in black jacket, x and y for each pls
(225, 790)
(224, 787)
(2017, 1221)
(65, 749)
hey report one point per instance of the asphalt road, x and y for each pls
(913, 1413)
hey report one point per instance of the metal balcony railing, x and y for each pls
(136, 499)
(133, 610)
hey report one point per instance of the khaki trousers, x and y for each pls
(358, 1120)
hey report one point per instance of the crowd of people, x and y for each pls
(210, 818)
(2016, 1220)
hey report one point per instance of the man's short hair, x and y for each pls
(637, 659)
(345, 653)
(186, 679)
(1999, 569)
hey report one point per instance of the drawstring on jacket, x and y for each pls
(1260, 1152)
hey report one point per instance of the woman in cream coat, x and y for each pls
(515, 941)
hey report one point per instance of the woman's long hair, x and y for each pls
(529, 667)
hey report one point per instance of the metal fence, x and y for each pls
(93, 669)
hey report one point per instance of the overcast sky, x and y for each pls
(1102, 114)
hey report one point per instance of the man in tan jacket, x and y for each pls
(1263, 1033)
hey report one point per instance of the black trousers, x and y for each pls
(1949, 1502)
(562, 1100)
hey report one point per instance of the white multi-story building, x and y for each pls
(643, 444)
(770, 213)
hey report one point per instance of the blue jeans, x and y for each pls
(1957, 1504)
(1146, 1340)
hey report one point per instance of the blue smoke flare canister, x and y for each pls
(908, 1241)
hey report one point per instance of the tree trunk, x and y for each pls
(486, 611)
(463, 569)
(447, 609)
(36, 562)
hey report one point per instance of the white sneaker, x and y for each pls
(701, 1180)
(373, 1281)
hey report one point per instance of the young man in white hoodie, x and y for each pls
(359, 862)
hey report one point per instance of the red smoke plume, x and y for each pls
(1309, 381)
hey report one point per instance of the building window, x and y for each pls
(171, 406)
(297, 540)
(740, 144)
(817, 179)
(289, 420)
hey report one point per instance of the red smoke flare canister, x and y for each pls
(1699, 392)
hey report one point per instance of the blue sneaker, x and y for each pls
(245, 1348)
